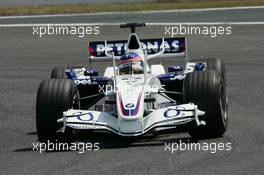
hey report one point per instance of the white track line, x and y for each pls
(117, 24)
(137, 12)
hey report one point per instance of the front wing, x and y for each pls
(164, 117)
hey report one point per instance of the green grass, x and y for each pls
(126, 7)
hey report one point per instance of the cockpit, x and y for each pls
(131, 63)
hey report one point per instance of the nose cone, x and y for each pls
(130, 103)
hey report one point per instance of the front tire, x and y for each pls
(206, 90)
(54, 96)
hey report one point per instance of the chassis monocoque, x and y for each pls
(76, 98)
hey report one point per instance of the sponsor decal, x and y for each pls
(83, 82)
(173, 112)
(84, 117)
(172, 46)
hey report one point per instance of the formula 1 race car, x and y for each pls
(133, 97)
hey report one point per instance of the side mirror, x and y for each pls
(175, 68)
(90, 73)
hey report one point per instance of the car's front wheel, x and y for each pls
(206, 90)
(54, 96)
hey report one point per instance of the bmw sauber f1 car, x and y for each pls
(134, 97)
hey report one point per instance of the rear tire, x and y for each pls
(214, 64)
(54, 96)
(58, 73)
(206, 90)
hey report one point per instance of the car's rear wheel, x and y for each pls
(206, 90)
(58, 73)
(54, 96)
(213, 64)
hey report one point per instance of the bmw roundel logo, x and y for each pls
(130, 105)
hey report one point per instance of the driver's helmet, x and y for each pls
(131, 63)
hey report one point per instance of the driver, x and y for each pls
(131, 63)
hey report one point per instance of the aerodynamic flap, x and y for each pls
(174, 47)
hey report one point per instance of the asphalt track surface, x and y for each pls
(25, 60)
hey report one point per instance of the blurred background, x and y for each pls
(8, 3)
(59, 2)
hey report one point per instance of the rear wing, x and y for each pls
(174, 47)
